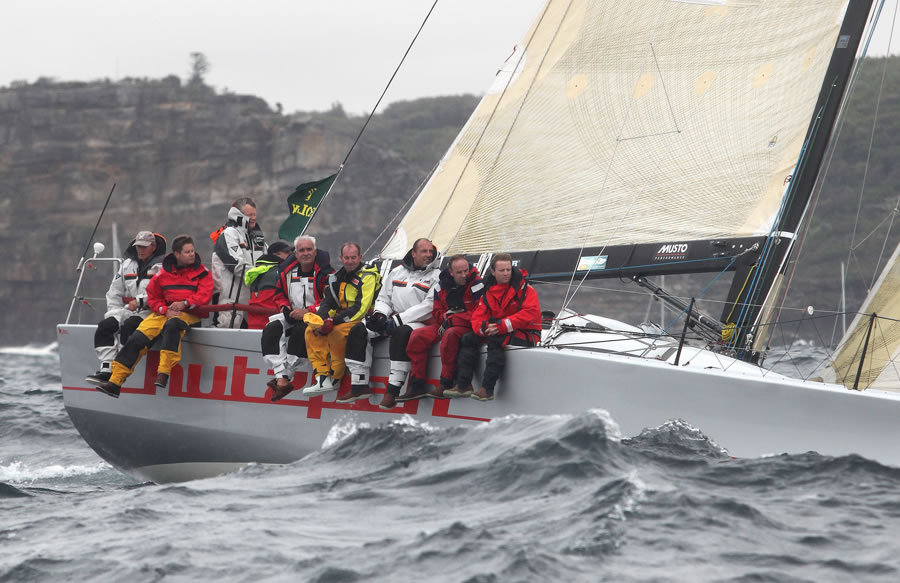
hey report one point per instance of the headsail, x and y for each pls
(879, 354)
(633, 123)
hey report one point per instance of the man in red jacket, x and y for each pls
(509, 314)
(182, 285)
(456, 294)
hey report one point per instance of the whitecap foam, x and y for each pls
(409, 423)
(51, 349)
(613, 431)
(343, 429)
(19, 472)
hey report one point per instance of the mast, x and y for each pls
(755, 286)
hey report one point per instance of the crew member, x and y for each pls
(237, 247)
(348, 297)
(262, 281)
(404, 304)
(173, 295)
(509, 314)
(301, 281)
(126, 298)
(456, 294)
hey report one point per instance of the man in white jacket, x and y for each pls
(404, 303)
(237, 247)
(126, 298)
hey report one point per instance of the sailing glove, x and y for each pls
(392, 324)
(376, 322)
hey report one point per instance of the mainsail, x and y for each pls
(623, 123)
(867, 354)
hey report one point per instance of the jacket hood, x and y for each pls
(269, 260)
(131, 250)
(517, 281)
(435, 263)
(323, 259)
(170, 263)
(446, 280)
(237, 219)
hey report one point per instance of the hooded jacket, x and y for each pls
(349, 294)
(298, 290)
(514, 307)
(262, 281)
(236, 249)
(193, 284)
(454, 301)
(407, 294)
(131, 280)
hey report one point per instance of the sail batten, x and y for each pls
(684, 124)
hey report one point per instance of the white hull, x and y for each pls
(214, 416)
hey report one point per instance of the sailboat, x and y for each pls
(624, 140)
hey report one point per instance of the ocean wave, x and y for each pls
(51, 349)
(676, 442)
(10, 491)
(18, 472)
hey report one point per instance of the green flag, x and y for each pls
(302, 204)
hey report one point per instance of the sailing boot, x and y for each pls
(415, 390)
(108, 387)
(162, 380)
(324, 384)
(483, 394)
(390, 397)
(457, 392)
(280, 391)
(438, 392)
(357, 393)
(101, 375)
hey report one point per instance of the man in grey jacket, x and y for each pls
(237, 247)
(126, 298)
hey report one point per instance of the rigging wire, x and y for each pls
(851, 251)
(411, 198)
(852, 246)
(372, 113)
(400, 64)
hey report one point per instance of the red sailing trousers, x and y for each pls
(421, 341)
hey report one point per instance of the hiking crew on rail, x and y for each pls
(182, 285)
(323, 319)
(346, 300)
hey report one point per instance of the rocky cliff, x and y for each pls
(179, 155)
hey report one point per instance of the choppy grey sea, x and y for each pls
(555, 498)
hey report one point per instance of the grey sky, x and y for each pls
(305, 54)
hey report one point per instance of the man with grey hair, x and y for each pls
(302, 278)
(237, 247)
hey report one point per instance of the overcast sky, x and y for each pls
(305, 54)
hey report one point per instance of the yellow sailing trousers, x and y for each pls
(151, 327)
(318, 348)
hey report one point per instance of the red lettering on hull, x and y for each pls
(189, 386)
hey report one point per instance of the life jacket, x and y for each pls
(514, 308)
(347, 299)
(465, 296)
